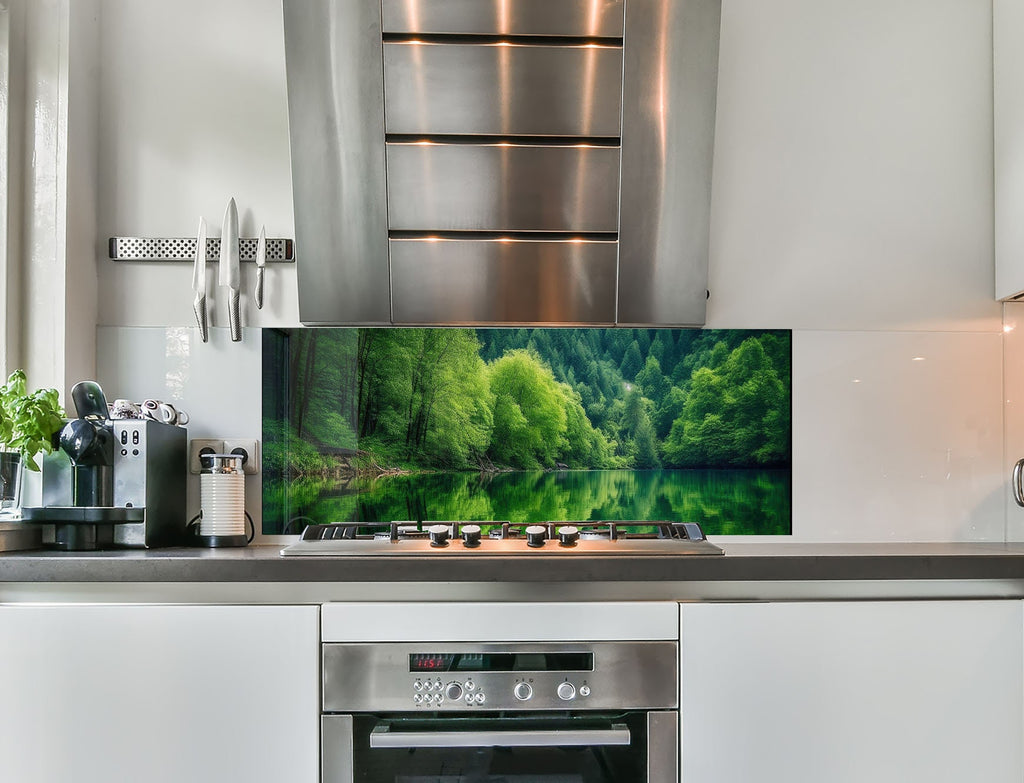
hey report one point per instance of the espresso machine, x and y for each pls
(117, 482)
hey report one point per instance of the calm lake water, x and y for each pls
(749, 502)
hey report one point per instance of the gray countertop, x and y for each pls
(749, 562)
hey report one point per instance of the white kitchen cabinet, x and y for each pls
(849, 692)
(1008, 132)
(161, 694)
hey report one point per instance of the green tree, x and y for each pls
(632, 362)
(529, 412)
(736, 412)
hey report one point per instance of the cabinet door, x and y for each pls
(162, 694)
(852, 692)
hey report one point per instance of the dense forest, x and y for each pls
(523, 399)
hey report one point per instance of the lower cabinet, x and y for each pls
(160, 694)
(852, 692)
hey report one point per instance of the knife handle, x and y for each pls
(234, 317)
(199, 306)
(258, 294)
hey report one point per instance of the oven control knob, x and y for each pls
(568, 535)
(453, 692)
(584, 690)
(536, 535)
(438, 535)
(566, 691)
(522, 691)
(471, 535)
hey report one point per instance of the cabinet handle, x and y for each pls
(1018, 488)
(382, 737)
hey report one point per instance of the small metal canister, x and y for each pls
(222, 498)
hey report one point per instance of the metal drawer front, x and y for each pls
(502, 89)
(494, 281)
(502, 187)
(505, 17)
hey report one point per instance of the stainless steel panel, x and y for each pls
(375, 677)
(663, 747)
(336, 125)
(502, 89)
(596, 18)
(494, 281)
(502, 187)
(670, 67)
(336, 749)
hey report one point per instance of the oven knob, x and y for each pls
(470, 685)
(568, 535)
(453, 692)
(417, 686)
(566, 691)
(584, 690)
(479, 698)
(417, 699)
(522, 691)
(438, 535)
(471, 535)
(535, 535)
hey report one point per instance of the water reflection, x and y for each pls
(730, 502)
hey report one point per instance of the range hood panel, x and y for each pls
(592, 18)
(502, 188)
(437, 88)
(496, 282)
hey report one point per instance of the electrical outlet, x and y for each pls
(249, 449)
(199, 446)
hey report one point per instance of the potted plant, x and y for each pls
(28, 423)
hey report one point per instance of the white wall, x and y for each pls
(852, 203)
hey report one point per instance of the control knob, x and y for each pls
(566, 691)
(453, 692)
(568, 535)
(522, 691)
(471, 535)
(536, 535)
(438, 535)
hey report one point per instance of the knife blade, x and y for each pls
(261, 262)
(199, 281)
(229, 273)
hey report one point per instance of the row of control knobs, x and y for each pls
(455, 691)
(536, 535)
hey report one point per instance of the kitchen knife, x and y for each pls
(261, 262)
(199, 281)
(229, 275)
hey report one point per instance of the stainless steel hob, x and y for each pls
(469, 539)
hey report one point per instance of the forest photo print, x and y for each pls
(527, 425)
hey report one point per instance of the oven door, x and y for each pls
(631, 747)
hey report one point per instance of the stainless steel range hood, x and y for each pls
(502, 161)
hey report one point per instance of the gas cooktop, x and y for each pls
(460, 539)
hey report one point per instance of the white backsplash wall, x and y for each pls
(852, 203)
(217, 383)
(1013, 392)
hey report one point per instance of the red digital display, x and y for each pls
(430, 662)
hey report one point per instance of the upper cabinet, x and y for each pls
(502, 161)
(1008, 126)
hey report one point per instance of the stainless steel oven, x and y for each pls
(516, 712)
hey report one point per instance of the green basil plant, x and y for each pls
(28, 421)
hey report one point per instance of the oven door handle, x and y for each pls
(383, 737)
